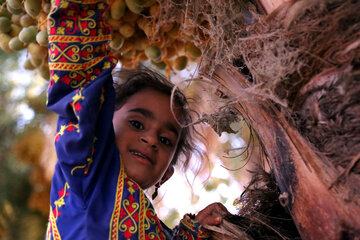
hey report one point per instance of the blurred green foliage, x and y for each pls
(214, 182)
(172, 218)
(17, 220)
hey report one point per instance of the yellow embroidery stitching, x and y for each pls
(64, 4)
(75, 57)
(89, 48)
(74, 38)
(55, 230)
(152, 213)
(61, 202)
(65, 127)
(153, 235)
(131, 189)
(102, 98)
(58, 203)
(71, 13)
(114, 223)
(74, 66)
(55, 77)
(101, 6)
(51, 21)
(142, 214)
(48, 229)
(78, 96)
(60, 30)
(91, 22)
(89, 160)
(133, 229)
(75, 83)
(106, 65)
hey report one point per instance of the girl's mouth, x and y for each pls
(141, 157)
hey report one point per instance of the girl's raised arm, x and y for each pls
(80, 89)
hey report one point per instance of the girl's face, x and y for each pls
(147, 136)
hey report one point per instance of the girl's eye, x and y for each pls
(136, 124)
(165, 141)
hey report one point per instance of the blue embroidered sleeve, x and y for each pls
(190, 229)
(80, 89)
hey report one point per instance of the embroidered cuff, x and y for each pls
(189, 228)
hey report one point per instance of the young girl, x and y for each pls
(107, 158)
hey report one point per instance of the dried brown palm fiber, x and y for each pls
(282, 59)
(261, 214)
(328, 114)
(322, 44)
(227, 230)
(303, 175)
(221, 120)
(287, 51)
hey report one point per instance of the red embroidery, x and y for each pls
(77, 106)
(84, 54)
(122, 213)
(127, 234)
(61, 193)
(66, 79)
(70, 128)
(56, 212)
(62, 47)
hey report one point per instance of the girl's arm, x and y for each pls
(80, 89)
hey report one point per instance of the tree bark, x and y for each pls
(319, 208)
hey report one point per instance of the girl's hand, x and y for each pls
(212, 214)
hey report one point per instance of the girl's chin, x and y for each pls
(138, 177)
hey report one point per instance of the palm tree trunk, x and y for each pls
(319, 207)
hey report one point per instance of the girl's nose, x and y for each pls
(149, 140)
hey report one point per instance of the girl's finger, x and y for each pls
(212, 220)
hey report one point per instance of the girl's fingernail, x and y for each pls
(218, 219)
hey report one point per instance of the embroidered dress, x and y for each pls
(91, 196)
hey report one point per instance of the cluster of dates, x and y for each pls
(23, 24)
(137, 35)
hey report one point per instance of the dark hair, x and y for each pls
(130, 81)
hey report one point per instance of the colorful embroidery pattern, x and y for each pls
(114, 223)
(133, 215)
(188, 226)
(142, 215)
(129, 217)
(77, 41)
(70, 127)
(53, 227)
(55, 213)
